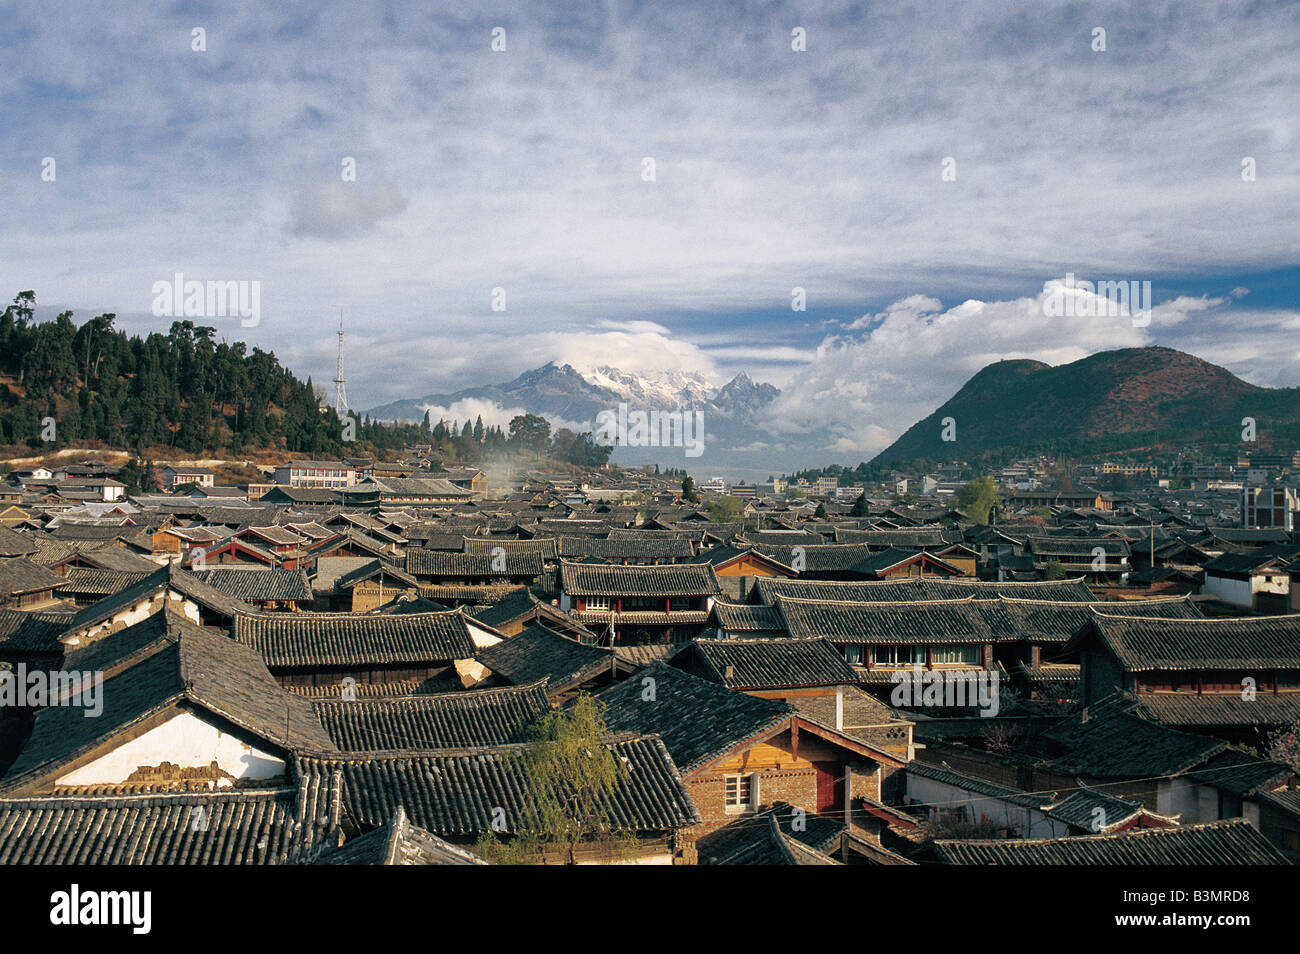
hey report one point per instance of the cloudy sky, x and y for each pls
(523, 169)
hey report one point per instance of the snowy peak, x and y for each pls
(665, 389)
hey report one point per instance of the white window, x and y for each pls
(597, 602)
(853, 654)
(953, 655)
(741, 793)
(898, 655)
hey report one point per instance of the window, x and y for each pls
(954, 655)
(597, 602)
(853, 654)
(740, 793)
(898, 655)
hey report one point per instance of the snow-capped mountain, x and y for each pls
(665, 389)
(567, 397)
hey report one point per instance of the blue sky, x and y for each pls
(775, 169)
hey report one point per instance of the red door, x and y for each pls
(830, 787)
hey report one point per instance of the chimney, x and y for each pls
(839, 708)
(730, 673)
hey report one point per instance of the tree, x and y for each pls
(977, 498)
(531, 432)
(860, 507)
(820, 512)
(567, 771)
(1284, 746)
(726, 509)
(688, 490)
(1053, 570)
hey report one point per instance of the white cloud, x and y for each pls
(493, 414)
(869, 388)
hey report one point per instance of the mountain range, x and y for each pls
(570, 398)
(1112, 401)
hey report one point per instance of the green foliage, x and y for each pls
(977, 498)
(725, 509)
(820, 512)
(860, 507)
(688, 490)
(530, 432)
(567, 771)
(181, 389)
(1053, 570)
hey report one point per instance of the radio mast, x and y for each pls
(340, 391)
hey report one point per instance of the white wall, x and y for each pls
(184, 740)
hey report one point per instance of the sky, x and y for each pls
(925, 173)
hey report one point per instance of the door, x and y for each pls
(830, 788)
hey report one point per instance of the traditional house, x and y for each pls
(1237, 678)
(176, 474)
(178, 707)
(473, 578)
(639, 603)
(1255, 579)
(738, 753)
(27, 585)
(885, 641)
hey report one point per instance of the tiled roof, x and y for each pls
(539, 653)
(766, 838)
(940, 621)
(1107, 741)
(1242, 773)
(1250, 643)
(22, 632)
(1218, 709)
(912, 538)
(452, 792)
(89, 581)
(437, 563)
(1232, 842)
(19, 575)
(768, 663)
(697, 719)
(547, 547)
(398, 843)
(769, 588)
(435, 721)
(263, 826)
(686, 579)
(258, 584)
(748, 618)
(301, 640)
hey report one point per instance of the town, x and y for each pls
(362, 661)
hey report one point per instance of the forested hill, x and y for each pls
(182, 389)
